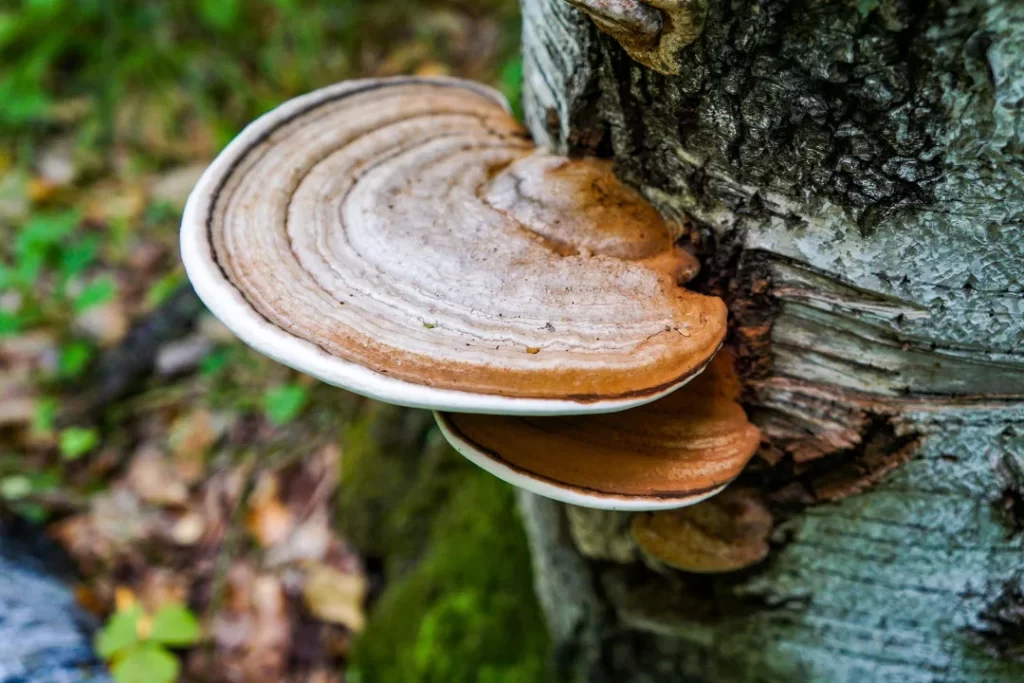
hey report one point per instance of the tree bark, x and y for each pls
(852, 176)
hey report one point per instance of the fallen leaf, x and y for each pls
(334, 596)
(269, 520)
(191, 437)
(17, 410)
(309, 540)
(155, 479)
(182, 355)
(175, 185)
(55, 161)
(106, 323)
(188, 529)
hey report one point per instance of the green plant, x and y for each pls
(77, 441)
(46, 268)
(16, 491)
(137, 645)
(510, 83)
(282, 404)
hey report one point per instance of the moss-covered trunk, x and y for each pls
(852, 173)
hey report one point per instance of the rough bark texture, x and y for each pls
(852, 174)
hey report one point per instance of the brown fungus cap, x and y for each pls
(724, 534)
(673, 452)
(404, 239)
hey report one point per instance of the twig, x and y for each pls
(123, 369)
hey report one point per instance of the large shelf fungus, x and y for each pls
(672, 453)
(402, 238)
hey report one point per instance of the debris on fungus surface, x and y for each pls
(723, 534)
(331, 227)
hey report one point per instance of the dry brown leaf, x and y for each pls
(162, 586)
(190, 439)
(147, 256)
(155, 479)
(432, 69)
(110, 201)
(188, 529)
(16, 410)
(30, 350)
(269, 520)
(182, 355)
(254, 632)
(309, 540)
(174, 186)
(106, 323)
(334, 596)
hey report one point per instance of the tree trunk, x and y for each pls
(852, 175)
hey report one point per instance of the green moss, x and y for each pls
(392, 479)
(465, 612)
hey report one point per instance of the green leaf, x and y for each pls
(46, 415)
(866, 7)
(213, 362)
(10, 324)
(220, 14)
(79, 256)
(162, 289)
(510, 83)
(74, 358)
(43, 8)
(146, 664)
(15, 486)
(77, 441)
(120, 633)
(95, 293)
(8, 277)
(28, 267)
(32, 512)
(282, 404)
(176, 626)
(45, 230)
(24, 102)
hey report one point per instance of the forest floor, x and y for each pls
(230, 519)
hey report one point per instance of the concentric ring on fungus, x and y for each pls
(404, 239)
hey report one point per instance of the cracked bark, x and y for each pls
(852, 179)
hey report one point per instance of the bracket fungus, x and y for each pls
(671, 453)
(725, 534)
(403, 238)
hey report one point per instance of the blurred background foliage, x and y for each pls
(219, 63)
(312, 534)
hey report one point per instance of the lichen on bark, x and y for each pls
(851, 176)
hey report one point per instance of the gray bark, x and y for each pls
(45, 636)
(852, 174)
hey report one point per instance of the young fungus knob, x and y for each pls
(402, 238)
(725, 534)
(674, 452)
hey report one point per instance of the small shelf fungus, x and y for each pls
(725, 534)
(675, 452)
(403, 238)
